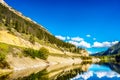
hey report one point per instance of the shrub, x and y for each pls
(42, 53)
(32, 39)
(2, 56)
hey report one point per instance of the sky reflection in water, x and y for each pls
(98, 72)
(86, 71)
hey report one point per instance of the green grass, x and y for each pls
(4, 48)
(2, 56)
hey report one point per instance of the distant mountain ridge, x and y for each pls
(115, 49)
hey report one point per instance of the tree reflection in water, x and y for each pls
(113, 66)
(36, 76)
(57, 72)
(67, 72)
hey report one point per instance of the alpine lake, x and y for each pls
(83, 71)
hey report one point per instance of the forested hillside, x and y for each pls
(11, 20)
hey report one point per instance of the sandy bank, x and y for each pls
(17, 63)
(61, 60)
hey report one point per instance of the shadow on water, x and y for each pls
(114, 66)
(56, 72)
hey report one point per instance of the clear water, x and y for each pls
(86, 71)
(107, 71)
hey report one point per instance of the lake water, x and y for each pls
(85, 71)
(106, 71)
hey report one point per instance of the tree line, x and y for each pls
(11, 20)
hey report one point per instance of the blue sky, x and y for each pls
(92, 24)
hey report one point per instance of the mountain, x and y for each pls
(12, 20)
(115, 49)
(26, 44)
(98, 54)
(113, 66)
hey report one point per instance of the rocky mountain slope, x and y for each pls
(115, 49)
(25, 44)
(17, 24)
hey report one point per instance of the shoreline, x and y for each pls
(41, 65)
(37, 63)
(18, 64)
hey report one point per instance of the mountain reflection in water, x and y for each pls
(84, 71)
(104, 71)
